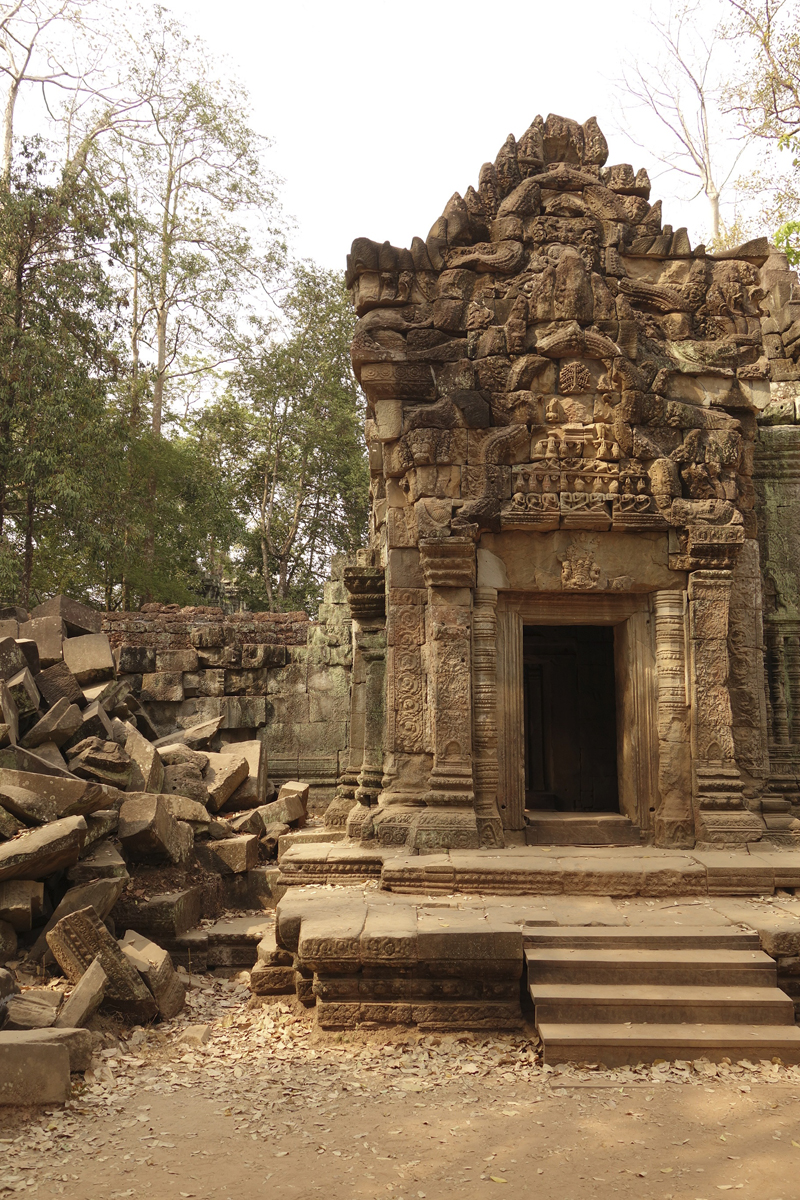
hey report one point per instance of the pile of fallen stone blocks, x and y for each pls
(96, 812)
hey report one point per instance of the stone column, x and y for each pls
(674, 819)
(721, 815)
(448, 567)
(484, 691)
(358, 786)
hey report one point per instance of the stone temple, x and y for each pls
(579, 604)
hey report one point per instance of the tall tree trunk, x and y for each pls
(27, 561)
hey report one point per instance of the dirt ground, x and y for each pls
(272, 1106)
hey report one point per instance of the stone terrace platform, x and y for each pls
(618, 871)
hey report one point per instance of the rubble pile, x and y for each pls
(109, 827)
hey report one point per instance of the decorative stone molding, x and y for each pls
(366, 592)
(448, 562)
(484, 693)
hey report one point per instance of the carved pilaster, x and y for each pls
(777, 685)
(484, 708)
(720, 811)
(674, 821)
(793, 671)
(372, 644)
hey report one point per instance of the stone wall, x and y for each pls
(279, 677)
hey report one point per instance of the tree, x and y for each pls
(683, 90)
(288, 434)
(203, 208)
(58, 354)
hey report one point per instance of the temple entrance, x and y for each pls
(570, 718)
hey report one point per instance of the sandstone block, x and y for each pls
(186, 779)
(104, 821)
(249, 822)
(272, 981)
(95, 723)
(12, 660)
(58, 683)
(195, 1035)
(176, 661)
(9, 716)
(37, 853)
(8, 984)
(253, 790)
(8, 942)
(49, 634)
(223, 775)
(29, 807)
(80, 938)
(33, 1074)
(30, 652)
(103, 861)
(89, 658)
(185, 809)
(147, 769)
(234, 943)
(163, 686)
(168, 915)
(100, 894)
(85, 998)
(149, 832)
(35, 1009)
(78, 618)
(78, 1043)
(9, 826)
(57, 725)
(196, 736)
(24, 693)
(101, 762)
(155, 966)
(286, 810)
(135, 660)
(21, 903)
(69, 796)
(230, 856)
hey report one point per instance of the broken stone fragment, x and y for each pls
(9, 716)
(195, 1035)
(8, 942)
(103, 861)
(223, 775)
(101, 894)
(70, 796)
(185, 779)
(35, 1009)
(231, 856)
(271, 836)
(49, 634)
(89, 658)
(58, 683)
(175, 754)
(57, 725)
(147, 769)
(77, 940)
(85, 998)
(33, 1074)
(288, 809)
(29, 807)
(196, 738)
(37, 853)
(103, 822)
(253, 790)
(30, 652)
(219, 827)
(102, 762)
(248, 822)
(155, 966)
(21, 903)
(12, 660)
(149, 832)
(9, 826)
(78, 618)
(95, 724)
(168, 915)
(24, 693)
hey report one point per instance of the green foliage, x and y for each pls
(288, 434)
(787, 238)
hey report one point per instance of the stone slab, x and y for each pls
(32, 1073)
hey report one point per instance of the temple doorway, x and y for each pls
(570, 719)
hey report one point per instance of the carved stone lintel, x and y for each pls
(448, 562)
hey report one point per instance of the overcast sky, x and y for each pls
(380, 110)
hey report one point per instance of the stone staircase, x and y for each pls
(622, 996)
(550, 828)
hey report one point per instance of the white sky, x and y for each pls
(380, 110)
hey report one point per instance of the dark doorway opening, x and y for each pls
(570, 718)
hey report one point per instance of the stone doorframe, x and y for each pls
(653, 752)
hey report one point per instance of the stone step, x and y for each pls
(591, 1003)
(550, 828)
(617, 1045)
(694, 968)
(641, 937)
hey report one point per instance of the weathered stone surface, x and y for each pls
(223, 775)
(149, 832)
(147, 769)
(9, 717)
(12, 660)
(78, 1043)
(89, 658)
(248, 822)
(24, 692)
(253, 790)
(100, 761)
(78, 618)
(33, 1073)
(234, 942)
(103, 861)
(186, 779)
(95, 723)
(185, 809)
(57, 725)
(69, 796)
(9, 826)
(169, 915)
(21, 903)
(8, 942)
(49, 634)
(288, 809)
(84, 999)
(155, 966)
(196, 736)
(36, 1008)
(39, 852)
(230, 856)
(80, 938)
(100, 894)
(27, 806)
(58, 683)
